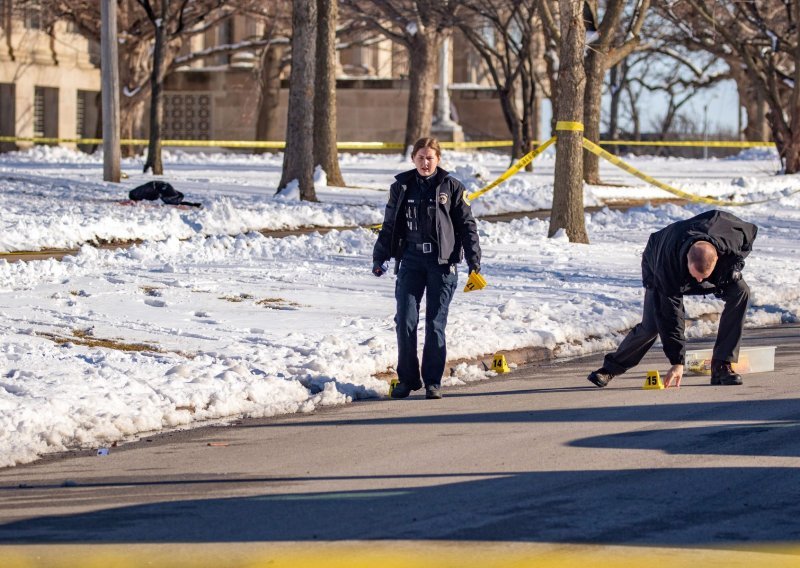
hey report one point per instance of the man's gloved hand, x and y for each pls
(379, 269)
(476, 268)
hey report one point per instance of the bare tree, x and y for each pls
(680, 77)
(617, 78)
(504, 32)
(762, 38)
(567, 211)
(326, 154)
(418, 25)
(169, 23)
(136, 44)
(273, 59)
(298, 158)
(607, 50)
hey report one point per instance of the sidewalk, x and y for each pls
(538, 457)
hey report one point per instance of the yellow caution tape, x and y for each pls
(407, 554)
(479, 144)
(277, 144)
(570, 126)
(521, 163)
(595, 149)
(689, 143)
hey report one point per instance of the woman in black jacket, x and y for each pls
(428, 228)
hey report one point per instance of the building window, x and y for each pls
(38, 112)
(88, 121)
(33, 16)
(187, 116)
(7, 114)
(225, 37)
(45, 112)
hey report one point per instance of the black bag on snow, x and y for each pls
(152, 190)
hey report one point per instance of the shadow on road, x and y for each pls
(640, 507)
(704, 505)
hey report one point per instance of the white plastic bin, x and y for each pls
(751, 360)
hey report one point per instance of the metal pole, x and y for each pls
(109, 71)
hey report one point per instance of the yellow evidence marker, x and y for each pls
(499, 364)
(475, 282)
(653, 381)
(393, 384)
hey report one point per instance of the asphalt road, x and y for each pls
(535, 457)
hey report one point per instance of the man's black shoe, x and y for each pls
(433, 391)
(401, 390)
(601, 377)
(722, 373)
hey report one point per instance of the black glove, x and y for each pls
(476, 268)
(378, 269)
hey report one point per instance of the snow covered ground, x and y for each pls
(210, 320)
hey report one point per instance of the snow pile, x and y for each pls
(209, 319)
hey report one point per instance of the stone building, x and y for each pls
(50, 83)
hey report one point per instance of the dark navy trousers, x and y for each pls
(421, 273)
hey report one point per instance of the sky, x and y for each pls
(208, 320)
(716, 107)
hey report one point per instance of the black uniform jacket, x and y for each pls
(665, 268)
(455, 226)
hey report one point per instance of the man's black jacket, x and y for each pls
(665, 268)
(455, 225)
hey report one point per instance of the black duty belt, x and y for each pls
(425, 248)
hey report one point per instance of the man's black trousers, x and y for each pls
(639, 340)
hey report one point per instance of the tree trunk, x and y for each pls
(269, 94)
(595, 72)
(422, 80)
(528, 112)
(567, 211)
(135, 77)
(757, 125)
(513, 122)
(326, 154)
(617, 77)
(786, 142)
(298, 158)
(156, 93)
(131, 112)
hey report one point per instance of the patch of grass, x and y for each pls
(83, 337)
(236, 299)
(86, 338)
(278, 304)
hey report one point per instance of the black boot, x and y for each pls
(601, 377)
(401, 390)
(722, 373)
